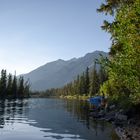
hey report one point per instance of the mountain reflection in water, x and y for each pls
(49, 119)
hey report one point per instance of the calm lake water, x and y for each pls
(50, 119)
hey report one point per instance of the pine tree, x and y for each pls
(77, 85)
(14, 87)
(82, 84)
(9, 85)
(21, 87)
(94, 82)
(3, 83)
(87, 81)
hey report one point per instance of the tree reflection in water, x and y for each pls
(41, 119)
(11, 110)
(81, 111)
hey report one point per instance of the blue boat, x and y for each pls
(96, 101)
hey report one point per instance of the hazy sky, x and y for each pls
(34, 32)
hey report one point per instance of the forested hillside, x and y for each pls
(86, 84)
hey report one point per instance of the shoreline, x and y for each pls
(75, 97)
(128, 132)
(124, 129)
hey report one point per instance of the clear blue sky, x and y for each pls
(34, 32)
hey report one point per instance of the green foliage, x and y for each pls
(123, 65)
(94, 82)
(82, 86)
(87, 81)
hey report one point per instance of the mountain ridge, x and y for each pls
(60, 72)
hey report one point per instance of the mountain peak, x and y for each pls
(61, 60)
(60, 72)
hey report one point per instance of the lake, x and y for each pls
(50, 119)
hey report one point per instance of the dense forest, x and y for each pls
(119, 76)
(86, 84)
(13, 87)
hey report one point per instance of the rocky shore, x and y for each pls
(128, 133)
(130, 129)
(126, 125)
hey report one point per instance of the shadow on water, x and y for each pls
(50, 119)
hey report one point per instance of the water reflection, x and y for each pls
(49, 119)
(81, 111)
(11, 110)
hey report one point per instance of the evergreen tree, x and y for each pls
(9, 85)
(77, 86)
(14, 87)
(82, 84)
(21, 87)
(87, 81)
(3, 83)
(94, 82)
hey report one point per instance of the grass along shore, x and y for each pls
(78, 97)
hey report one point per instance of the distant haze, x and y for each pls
(33, 32)
(58, 73)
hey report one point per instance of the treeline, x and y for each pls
(123, 66)
(88, 84)
(13, 87)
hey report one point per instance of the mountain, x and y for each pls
(60, 72)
